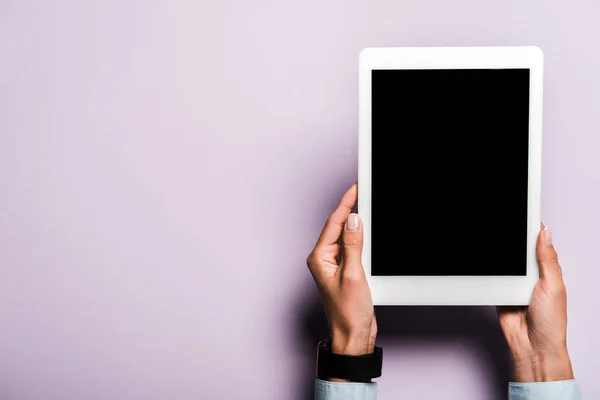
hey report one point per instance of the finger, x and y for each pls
(547, 257)
(353, 244)
(508, 312)
(335, 223)
(511, 318)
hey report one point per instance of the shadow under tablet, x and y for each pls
(476, 326)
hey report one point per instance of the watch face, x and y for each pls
(325, 345)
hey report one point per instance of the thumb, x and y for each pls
(547, 257)
(353, 243)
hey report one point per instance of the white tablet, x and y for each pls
(450, 173)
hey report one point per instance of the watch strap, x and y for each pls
(358, 368)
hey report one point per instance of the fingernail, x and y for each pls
(353, 222)
(547, 236)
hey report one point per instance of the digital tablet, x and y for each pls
(450, 173)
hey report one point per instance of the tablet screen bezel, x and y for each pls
(452, 290)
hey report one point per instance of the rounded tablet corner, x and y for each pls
(538, 52)
(365, 53)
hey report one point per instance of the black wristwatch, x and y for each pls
(353, 368)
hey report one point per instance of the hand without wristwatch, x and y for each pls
(360, 368)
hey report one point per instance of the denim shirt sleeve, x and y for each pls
(558, 390)
(325, 390)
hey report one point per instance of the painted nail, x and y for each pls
(547, 236)
(353, 222)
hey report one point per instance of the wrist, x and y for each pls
(543, 367)
(353, 344)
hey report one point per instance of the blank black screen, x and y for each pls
(449, 172)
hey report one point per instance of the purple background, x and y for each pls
(166, 166)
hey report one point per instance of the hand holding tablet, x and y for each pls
(336, 266)
(450, 140)
(536, 335)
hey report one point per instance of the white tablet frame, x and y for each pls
(452, 290)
